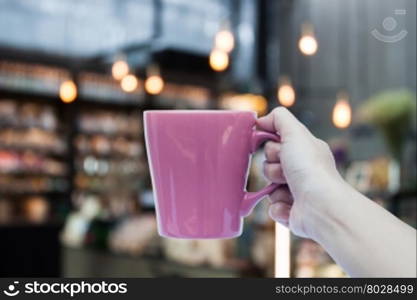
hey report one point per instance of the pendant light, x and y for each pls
(224, 43)
(308, 44)
(342, 112)
(219, 60)
(286, 92)
(224, 40)
(129, 83)
(154, 83)
(120, 67)
(68, 91)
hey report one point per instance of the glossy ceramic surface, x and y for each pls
(199, 162)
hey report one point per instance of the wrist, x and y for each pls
(324, 207)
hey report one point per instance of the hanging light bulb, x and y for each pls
(219, 60)
(154, 84)
(120, 69)
(342, 112)
(68, 91)
(286, 93)
(308, 44)
(129, 83)
(224, 41)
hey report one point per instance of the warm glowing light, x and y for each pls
(282, 251)
(224, 41)
(119, 69)
(154, 84)
(248, 102)
(68, 91)
(219, 60)
(286, 93)
(129, 83)
(308, 44)
(342, 112)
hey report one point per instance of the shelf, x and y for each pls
(47, 194)
(36, 96)
(121, 104)
(80, 172)
(18, 127)
(107, 191)
(28, 96)
(31, 173)
(109, 156)
(39, 150)
(25, 224)
(135, 136)
(67, 130)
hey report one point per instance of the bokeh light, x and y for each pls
(286, 93)
(129, 83)
(342, 112)
(250, 102)
(219, 60)
(154, 84)
(68, 91)
(224, 41)
(119, 69)
(308, 45)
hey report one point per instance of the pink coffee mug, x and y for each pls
(199, 163)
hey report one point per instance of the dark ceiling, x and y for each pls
(85, 28)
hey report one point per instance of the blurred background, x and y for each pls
(75, 77)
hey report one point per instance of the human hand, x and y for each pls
(305, 168)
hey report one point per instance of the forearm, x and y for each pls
(364, 238)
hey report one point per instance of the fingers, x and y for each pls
(280, 212)
(272, 151)
(267, 122)
(282, 194)
(273, 172)
(282, 121)
(280, 208)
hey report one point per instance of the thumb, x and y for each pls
(281, 121)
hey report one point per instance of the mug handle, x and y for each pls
(250, 199)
